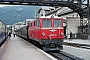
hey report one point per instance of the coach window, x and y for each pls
(57, 23)
(46, 23)
(38, 23)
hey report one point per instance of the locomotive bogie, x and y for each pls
(51, 44)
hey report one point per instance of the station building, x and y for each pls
(72, 20)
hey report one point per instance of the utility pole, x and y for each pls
(19, 19)
(35, 12)
(19, 16)
(19, 22)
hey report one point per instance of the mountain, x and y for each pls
(12, 14)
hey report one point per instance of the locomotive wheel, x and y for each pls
(39, 45)
(30, 40)
(34, 43)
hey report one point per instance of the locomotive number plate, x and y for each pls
(53, 34)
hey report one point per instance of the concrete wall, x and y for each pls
(72, 24)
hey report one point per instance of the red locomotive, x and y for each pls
(47, 32)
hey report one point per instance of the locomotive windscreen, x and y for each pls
(46, 23)
(57, 23)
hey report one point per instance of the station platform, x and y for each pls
(17, 48)
(79, 52)
(78, 41)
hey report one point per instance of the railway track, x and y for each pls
(60, 55)
(77, 45)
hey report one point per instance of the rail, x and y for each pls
(60, 55)
(77, 45)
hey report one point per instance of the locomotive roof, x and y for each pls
(46, 17)
(49, 17)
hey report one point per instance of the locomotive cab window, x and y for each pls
(31, 24)
(46, 23)
(57, 23)
(38, 23)
(34, 23)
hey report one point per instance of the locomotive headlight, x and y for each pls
(62, 33)
(43, 34)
